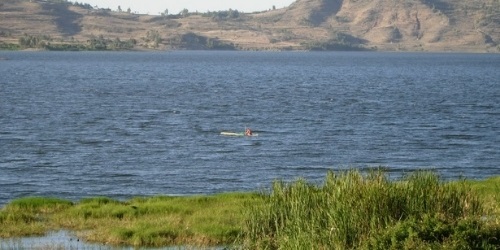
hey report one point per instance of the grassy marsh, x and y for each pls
(154, 221)
(350, 210)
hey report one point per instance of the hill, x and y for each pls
(384, 25)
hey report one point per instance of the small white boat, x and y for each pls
(227, 133)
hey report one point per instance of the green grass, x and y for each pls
(489, 191)
(350, 210)
(28, 216)
(153, 221)
(159, 221)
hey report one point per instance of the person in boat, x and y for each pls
(248, 132)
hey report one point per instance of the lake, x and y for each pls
(124, 124)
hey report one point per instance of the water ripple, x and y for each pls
(145, 124)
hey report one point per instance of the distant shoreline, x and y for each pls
(316, 25)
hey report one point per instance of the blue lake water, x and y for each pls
(124, 124)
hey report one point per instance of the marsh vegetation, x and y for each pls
(350, 210)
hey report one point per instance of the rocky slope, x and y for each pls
(386, 25)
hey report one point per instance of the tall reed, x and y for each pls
(351, 208)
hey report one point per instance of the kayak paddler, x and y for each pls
(248, 132)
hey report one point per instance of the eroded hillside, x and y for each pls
(388, 25)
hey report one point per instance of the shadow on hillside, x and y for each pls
(66, 20)
(327, 9)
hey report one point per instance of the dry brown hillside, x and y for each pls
(388, 25)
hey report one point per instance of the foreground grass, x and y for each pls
(153, 221)
(351, 210)
(367, 211)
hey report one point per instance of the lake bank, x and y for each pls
(237, 218)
